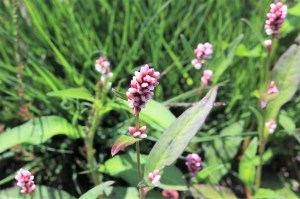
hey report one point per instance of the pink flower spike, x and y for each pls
(170, 194)
(154, 178)
(268, 45)
(193, 162)
(272, 88)
(103, 67)
(141, 87)
(275, 19)
(25, 181)
(271, 125)
(206, 77)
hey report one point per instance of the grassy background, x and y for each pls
(60, 40)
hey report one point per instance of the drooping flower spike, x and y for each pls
(275, 19)
(271, 125)
(25, 181)
(206, 77)
(202, 53)
(193, 162)
(170, 194)
(141, 88)
(154, 178)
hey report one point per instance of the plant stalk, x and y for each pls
(138, 159)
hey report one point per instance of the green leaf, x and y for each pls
(96, 191)
(151, 112)
(175, 139)
(37, 131)
(121, 193)
(211, 192)
(222, 151)
(122, 142)
(295, 10)
(43, 192)
(247, 164)
(125, 167)
(286, 75)
(207, 171)
(265, 194)
(76, 93)
(287, 123)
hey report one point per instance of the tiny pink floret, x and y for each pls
(193, 162)
(141, 88)
(271, 125)
(272, 88)
(25, 181)
(275, 19)
(138, 133)
(206, 77)
(154, 178)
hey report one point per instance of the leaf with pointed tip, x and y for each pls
(122, 142)
(286, 75)
(76, 93)
(96, 191)
(175, 139)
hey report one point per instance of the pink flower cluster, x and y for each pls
(271, 125)
(154, 178)
(275, 19)
(206, 77)
(25, 181)
(138, 133)
(202, 53)
(193, 162)
(141, 87)
(170, 194)
(102, 66)
(272, 88)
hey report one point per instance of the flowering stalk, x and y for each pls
(103, 67)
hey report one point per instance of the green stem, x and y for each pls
(93, 122)
(138, 158)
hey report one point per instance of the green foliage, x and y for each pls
(212, 192)
(122, 142)
(286, 74)
(247, 166)
(125, 167)
(40, 192)
(174, 140)
(222, 151)
(96, 191)
(76, 93)
(37, 131)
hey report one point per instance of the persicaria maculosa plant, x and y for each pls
(25, 181)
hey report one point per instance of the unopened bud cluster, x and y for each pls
(103, 67)
(202, 53)
(25, 181)
(154, 178)
(138, 133)
(206, 77)
(271, 125)
(141, 88)
(193, 162)
(170, 194)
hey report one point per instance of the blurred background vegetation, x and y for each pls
(57, 42)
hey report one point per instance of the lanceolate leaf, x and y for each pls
(37, 131)
(212, 192)
(122, 142)
(286, 75)
(96, 191)
(175, 139)
(76, 93)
